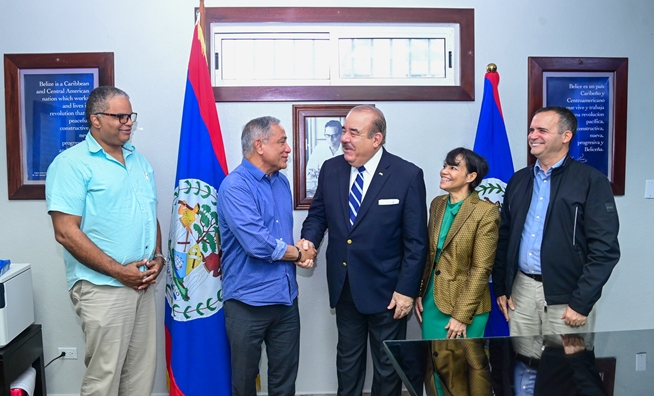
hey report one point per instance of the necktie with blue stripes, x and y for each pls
(356, 194)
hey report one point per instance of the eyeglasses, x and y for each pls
(122, 118)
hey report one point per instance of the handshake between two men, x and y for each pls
(306, 253)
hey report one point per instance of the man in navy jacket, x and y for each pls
(376, 248)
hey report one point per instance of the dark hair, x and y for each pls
(474, 163)
(378, 122)
(98, 100)
(258, 128)
(567, 119)
(334, 124)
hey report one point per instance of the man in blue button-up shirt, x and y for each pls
(259, 259)
(103, 204)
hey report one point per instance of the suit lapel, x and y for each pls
(465, 211)
(382, 174)
(435, 222)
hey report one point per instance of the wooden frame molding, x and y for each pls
(619, 67)
(464, 17)
(301, 199)
(103, 61)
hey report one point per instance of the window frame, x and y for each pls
(465, 91)
(226, 41)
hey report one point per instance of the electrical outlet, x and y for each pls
(641, 361)
(649, 188)
(70, 353)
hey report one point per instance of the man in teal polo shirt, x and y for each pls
(102, 200)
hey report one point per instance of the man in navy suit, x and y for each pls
(373, 204)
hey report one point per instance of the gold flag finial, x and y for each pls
(491, 68)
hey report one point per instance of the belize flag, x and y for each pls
(197, 350)
(492, 143)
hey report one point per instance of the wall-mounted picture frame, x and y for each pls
(45, 103)
(317, 130)
(595, 90)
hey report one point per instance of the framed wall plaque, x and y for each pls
(595, 90)
(45, 103)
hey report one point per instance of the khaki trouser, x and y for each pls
(119, 325)
(531, 318)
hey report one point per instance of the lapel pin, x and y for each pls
(381, 174)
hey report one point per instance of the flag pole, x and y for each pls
(493, 75)
(203, 17)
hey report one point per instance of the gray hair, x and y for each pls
(378, 122)
(98, 101)
(257, 129)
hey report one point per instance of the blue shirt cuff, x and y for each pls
(279, 251)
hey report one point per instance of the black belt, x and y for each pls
(536, 277)
(531, 362)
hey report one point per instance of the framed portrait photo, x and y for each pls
(595, 90)
(45, 102)
(317, 131)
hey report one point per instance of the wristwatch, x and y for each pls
(162, 256)
(299, 254)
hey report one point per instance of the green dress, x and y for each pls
(433, 320)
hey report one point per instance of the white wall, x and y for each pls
(151, 42)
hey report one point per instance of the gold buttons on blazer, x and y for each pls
(349, 241)
(344, 264)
